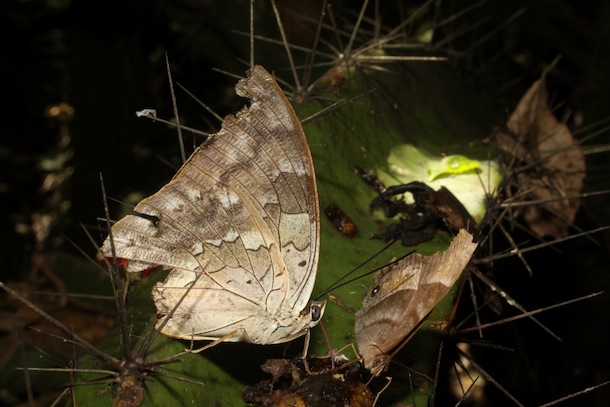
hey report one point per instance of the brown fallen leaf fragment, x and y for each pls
(550, 165)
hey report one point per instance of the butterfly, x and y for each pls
(404, 293)
(238, 228)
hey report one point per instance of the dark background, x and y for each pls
(106, 60)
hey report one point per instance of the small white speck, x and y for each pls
(147, 113)
(197, 249)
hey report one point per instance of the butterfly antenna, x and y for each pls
(338, 283)
(376, 270)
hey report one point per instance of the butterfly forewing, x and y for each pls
(241, 218)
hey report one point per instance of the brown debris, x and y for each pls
(321, 384)
(340, 221)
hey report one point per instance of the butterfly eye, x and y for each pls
(316, 313)
(374, 291)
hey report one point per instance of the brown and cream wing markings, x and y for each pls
(403, 295)
(242, 212)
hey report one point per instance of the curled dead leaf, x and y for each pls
(551, 164)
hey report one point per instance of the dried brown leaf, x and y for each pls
(554, 165)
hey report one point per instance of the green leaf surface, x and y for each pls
(407, 106)
(419, 104)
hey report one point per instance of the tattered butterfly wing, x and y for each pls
(404, 294)
(238, 226)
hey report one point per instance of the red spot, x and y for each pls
(122, 264)
(147, 272)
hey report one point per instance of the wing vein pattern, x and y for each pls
(240, 219)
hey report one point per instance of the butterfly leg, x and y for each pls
(305, 350)
(211, 344)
